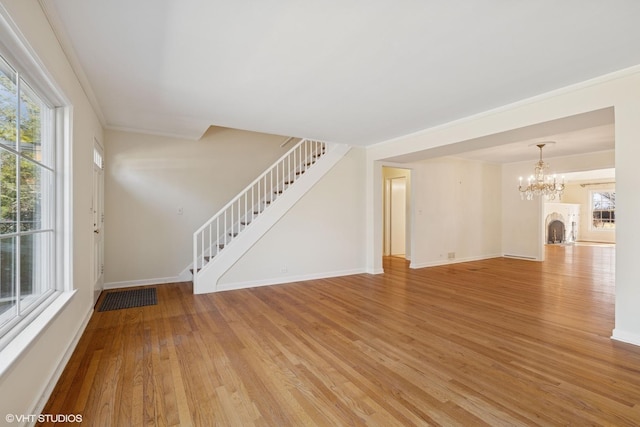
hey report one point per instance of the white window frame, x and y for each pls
(591, 226)
(16, 50)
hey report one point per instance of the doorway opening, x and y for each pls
(397, 218)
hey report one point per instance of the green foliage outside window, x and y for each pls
(20, 184)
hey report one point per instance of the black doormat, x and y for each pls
(118, 300)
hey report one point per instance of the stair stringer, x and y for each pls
(211, 273)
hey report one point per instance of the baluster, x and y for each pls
(288, 168)
(195, 268)
(195, 257)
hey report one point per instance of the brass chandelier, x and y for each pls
(540, 185)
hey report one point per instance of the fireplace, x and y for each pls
(555, 232)
(561, 223)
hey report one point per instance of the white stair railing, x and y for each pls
(220, 230)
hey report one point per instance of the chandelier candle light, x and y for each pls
(540, 185)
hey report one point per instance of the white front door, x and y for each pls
(98, 220)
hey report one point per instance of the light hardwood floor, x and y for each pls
(496, 342)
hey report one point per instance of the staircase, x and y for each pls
(231, 232)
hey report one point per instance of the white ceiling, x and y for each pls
(592, 139)
(588, 140)
(589, 132)
(352, 71)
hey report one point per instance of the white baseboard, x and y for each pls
(288, 279)
(522, 257)
(627, 337)
(143, 282)
(452, 261)
(39, 405)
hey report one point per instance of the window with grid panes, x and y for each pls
(27, 198)
(603, 210)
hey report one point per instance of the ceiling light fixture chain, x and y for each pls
(540, 185)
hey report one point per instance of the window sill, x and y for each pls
(18, 344)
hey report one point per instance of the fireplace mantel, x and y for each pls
(568, 216)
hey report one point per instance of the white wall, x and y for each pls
(522, 220)
(457, 209)
(321, 236)
(149, 178)
(30, 378)
(574, 193)
(628, 211)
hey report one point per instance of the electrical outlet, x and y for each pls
(180, 211)
(451, 255)
(284, 269)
